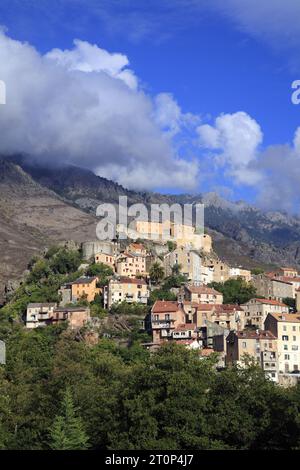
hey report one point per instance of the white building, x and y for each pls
(286, 327)
(257, 310)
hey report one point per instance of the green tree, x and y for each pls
(124, 308)
(290, 302)
(161, 294)
(102, 271)
(156, 272)
(256, 271)
(171, 245)
(235, 291)
(65, 261)
(67, 431)
(176, 268)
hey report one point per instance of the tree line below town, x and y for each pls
(59, 391)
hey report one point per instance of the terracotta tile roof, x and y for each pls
(191, 304)
(186, 327)
(269, 302)
(289, 279)
(229, 308)
(277, 279)
(128, 280)
(161, 306)
(289, 269)
(137, 246)
(203, 307)
(287, 317)
(255, 334)
(202, 290)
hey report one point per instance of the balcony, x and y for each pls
(160, 324)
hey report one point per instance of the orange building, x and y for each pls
(84, 288)
(137, 249)
(77, 317)
(166, 316)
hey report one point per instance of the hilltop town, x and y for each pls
(178, 291)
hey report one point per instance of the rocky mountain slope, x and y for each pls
(243, 234)
(39, 206)
(32, 218)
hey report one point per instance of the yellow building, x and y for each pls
(105, 258)
(228, 316)
(220, 270)
(188, 260)
(126, 289)
(183, 235)
(260, 345)
(202, 295)
(288, 272)
(244, 274)
(130, 265)
(137, 249)
(286, 327)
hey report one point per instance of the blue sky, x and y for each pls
(211, 61)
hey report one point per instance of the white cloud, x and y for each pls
(88, 57)
(236, 137)
(170, 117)
(84, 106)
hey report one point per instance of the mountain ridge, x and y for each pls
(45, 204)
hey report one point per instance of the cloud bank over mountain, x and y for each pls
(85, 106)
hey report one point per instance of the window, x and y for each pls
(285, 338)
(284, 327)
(294, 338)
(244, 344)
(286, 357)
(167, 316)
(285, 347)
(294, 328)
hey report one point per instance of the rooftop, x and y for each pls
(84, 280)
(186, 327)
(268, 302)
(287, 317)
(137, 246)
(255, 334)
(289, 269)
(289, 279)
(128, 280)
(162, 306)
(70, 309)
(202, 290)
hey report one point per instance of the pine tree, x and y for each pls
(67, 431)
